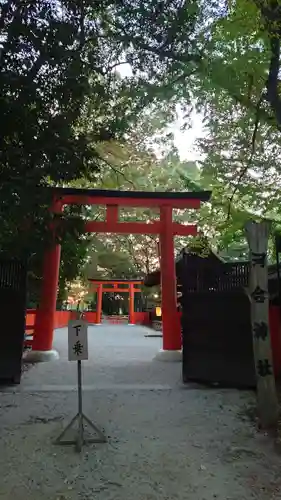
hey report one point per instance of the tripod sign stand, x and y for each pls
(78, 351)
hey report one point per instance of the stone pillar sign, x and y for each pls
(257, 235)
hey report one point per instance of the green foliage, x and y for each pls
(198, 49)
(55, 77)
(227, 67)
(135, 255)
(199, 246)
(54, 73)
(68, 118)
(39, 106)
(241, 151)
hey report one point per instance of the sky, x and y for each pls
(184, 140)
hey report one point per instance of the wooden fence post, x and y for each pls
(267, 404)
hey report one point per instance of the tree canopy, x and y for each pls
(197, 48)
(71, 117)
(54, 71)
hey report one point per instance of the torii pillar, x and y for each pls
(170, 319)
(131, 304)
(42, 345)
(99, 304)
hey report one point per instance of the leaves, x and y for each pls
(133, 165)
(69, 118)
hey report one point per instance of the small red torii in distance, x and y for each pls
(165, 227)
(99, 287)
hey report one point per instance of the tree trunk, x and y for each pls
(257, 235)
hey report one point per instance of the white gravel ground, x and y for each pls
(165, 442)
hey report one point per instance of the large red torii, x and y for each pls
(165, 227)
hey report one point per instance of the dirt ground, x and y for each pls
(165, 440)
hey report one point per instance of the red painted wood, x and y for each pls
(45, 316)
(171, 323)
(29, 328)
(30, 317)
(120, 290)
(142, 318)
(61, 319)
(111, 214)
(131, 304)
(117, 282)
(90, 316)
(99, 286)
(99, 303)
(138, 228)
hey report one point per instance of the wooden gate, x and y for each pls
(12, 312)
(216, 324)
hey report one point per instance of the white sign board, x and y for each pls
(77, 340)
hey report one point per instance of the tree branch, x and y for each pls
(271, 14)
(116, 170)
(198, 59)
(250, 160)
(273, 82)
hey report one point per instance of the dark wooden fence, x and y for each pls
(198, 275)
(13, 277)
(216, 323)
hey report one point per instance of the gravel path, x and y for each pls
(165, 442)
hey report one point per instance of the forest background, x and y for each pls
(89, 97)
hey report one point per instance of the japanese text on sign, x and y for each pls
(77, 340)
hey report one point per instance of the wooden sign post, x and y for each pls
(78, 351)
(257, 235)
(77, 340)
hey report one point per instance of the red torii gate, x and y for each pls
(99, 286)
(165, 227)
